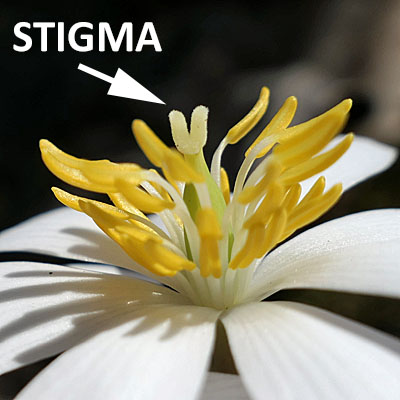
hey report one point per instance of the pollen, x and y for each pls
(213, 238)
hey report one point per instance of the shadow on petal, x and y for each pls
(95, 245)
(84, 304)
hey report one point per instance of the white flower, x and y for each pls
(127, 338)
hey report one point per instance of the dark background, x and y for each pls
(214, 53)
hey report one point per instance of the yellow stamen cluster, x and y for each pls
(208, 230)
(294, 157)
(125, 223)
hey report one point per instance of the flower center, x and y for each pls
(213, 241)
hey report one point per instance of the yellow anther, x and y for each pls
(313, 194)
(292, 197)
(271, 202)
(123, 203)
(155, 251)
(161, 191)
(274, 232)
(210, 263)
(137, 242)
(280, 121)
(303, 141)
(319, 205)
(143, 222)
(225, 187)
(106, 221)
(261, 238)
(207, 223)
(273, 170)
(138, 252)
(73, 202)
(135, 232)
(161, 255)
(141, 199)
(316, 190)
(250, 120)
(189, 143)
(171, 181)
(320, 135)
(249, 251)
(210, 233)
(135, 218)
(316, 164)
(151, 145)
(97, 176)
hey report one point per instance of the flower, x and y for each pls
(131, 338)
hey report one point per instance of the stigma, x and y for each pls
(214, 237)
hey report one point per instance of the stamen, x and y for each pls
(272, 171)
(250, 249)
(161, 191)
(317, 164)
(138, 218)
(73, 202)
(303, 215)
(183, 213)
(248, 163)
(148, 141)
(96, 176)
(316, 190)
(303, 141)
(246, 124)
(292, 197)
(274, 231)
(271, 202)
(225, 188)
(240, 130)
(121, 202)
(210, 233)
(142, 200)
(281, 121)
(171, 221)
(143, 246)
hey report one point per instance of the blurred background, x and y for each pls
(214, 53)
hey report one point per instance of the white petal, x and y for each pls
(358, 253)
(224, 387)
(285, 350)
(110, 269)
(64, 233)
(45, 309)
(70, 234)
(365, 158)
(155, 352)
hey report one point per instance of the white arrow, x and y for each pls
(122, 85)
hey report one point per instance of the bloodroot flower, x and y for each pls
(206, 255)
